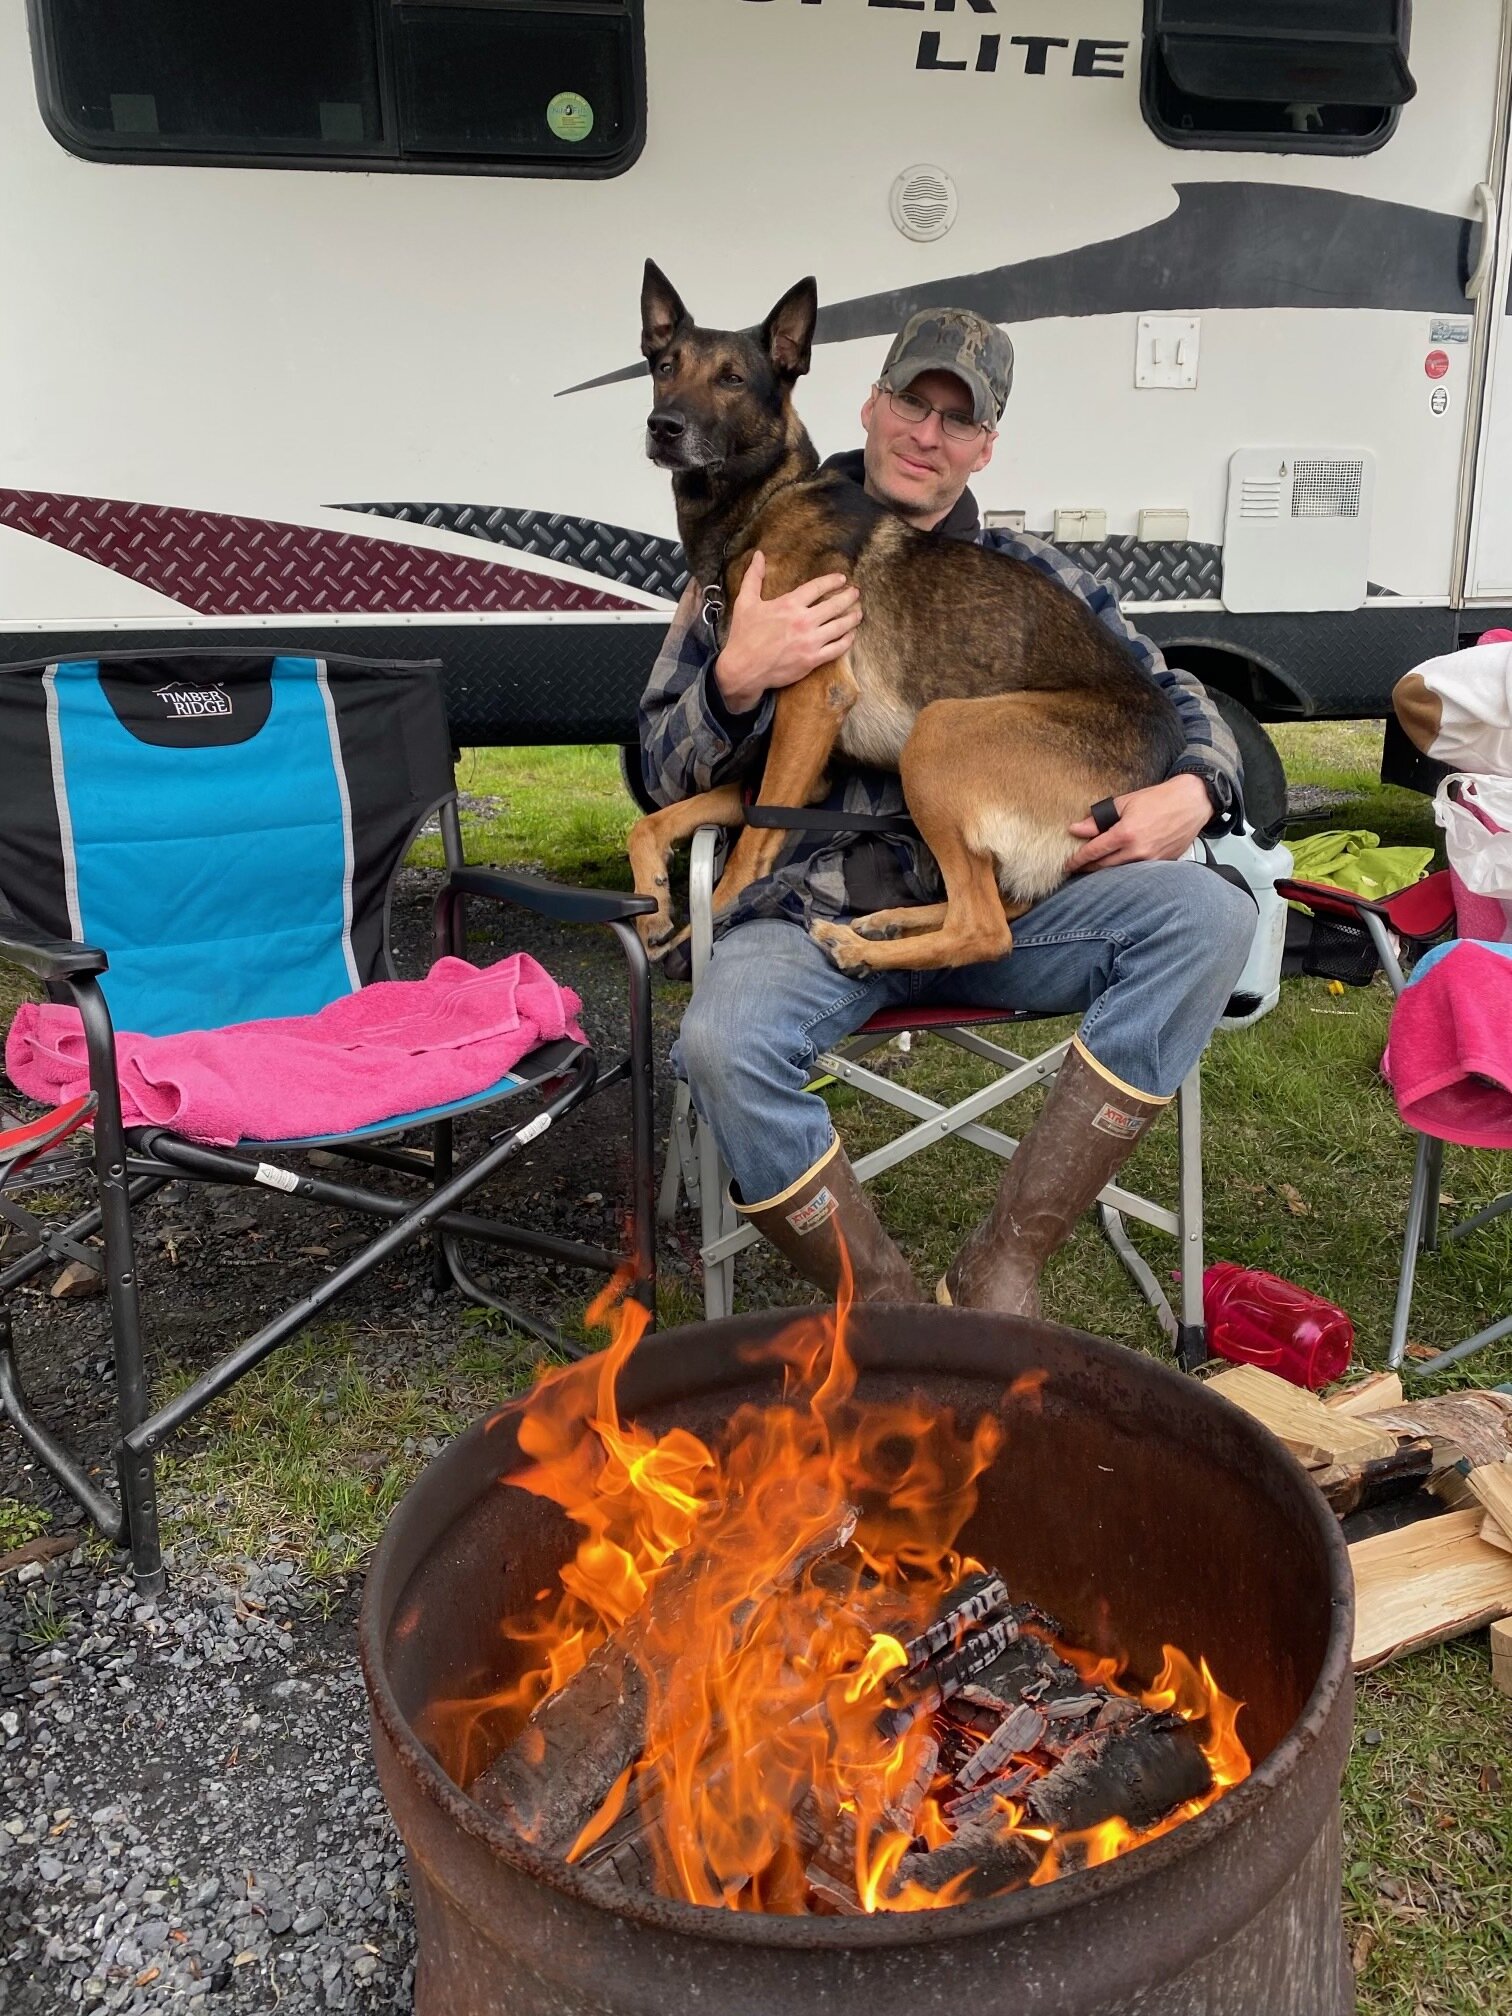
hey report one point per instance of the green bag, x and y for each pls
(1357, 861)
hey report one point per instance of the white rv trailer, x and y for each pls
(321, 315)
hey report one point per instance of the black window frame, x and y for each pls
(1210, 140)
(370, 161)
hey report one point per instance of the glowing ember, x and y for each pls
(797, 1668)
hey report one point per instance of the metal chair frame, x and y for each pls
(694, 1168)
(131, 1164)
(1423, 1231)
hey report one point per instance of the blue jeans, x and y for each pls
(1148, 952)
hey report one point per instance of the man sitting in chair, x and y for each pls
(1145, 945)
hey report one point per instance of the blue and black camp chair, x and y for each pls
(203, 838)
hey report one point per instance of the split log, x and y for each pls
(831, 1873)
(581, 1740)
(1356, 1488)
(1471, 1428)
(1491, 1484)
(1501, 1655)
(975, 1805)
(1367, 1395)
(563, 1765)
(989, 1863)
(1433, 1580)
(1316, 1435)
(1019, 1732)
(1137, 1774)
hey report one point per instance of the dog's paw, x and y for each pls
(661, 950)
(843, 946)
(876, 933)
(657, 930)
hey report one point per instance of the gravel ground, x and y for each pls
(189, 1816)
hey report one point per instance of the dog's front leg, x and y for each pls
(651, 840)
(805, 729)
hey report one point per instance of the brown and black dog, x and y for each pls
(1005, 705)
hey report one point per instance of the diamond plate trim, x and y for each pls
(226, 566)
(1164, 572)
(1155, 571)
(638, 559)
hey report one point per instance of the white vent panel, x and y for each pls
(1324, 489)
(923, 202)
(1296, 533)
(1259, 500)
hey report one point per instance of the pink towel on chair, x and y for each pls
(398, 1046)
(1450, 1057)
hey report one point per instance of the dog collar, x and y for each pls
(713, 607)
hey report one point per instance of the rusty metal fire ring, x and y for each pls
(1235, 1911)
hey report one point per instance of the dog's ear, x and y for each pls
(662, 311)
(788, 332)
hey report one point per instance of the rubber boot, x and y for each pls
(1087, 1129)
(826, 1211)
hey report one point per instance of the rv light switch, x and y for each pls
(1165, 354)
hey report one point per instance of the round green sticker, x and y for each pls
(570, 116)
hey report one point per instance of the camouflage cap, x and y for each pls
(958, 340)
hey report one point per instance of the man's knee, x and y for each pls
(1224, 918)
(1200, 912)
(724, 1039)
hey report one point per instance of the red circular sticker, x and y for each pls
(1436, 363)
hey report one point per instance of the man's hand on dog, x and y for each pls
(1156, 824)
(779, 642)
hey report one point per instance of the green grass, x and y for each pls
(308, 1455)
(563, 810)
(19, 1523)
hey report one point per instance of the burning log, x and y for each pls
(581, 1740)
(1137, 1774)
(989, 1798)
(1020, 1731)
(571, 1753)
(831, 1873)
(981, 1861)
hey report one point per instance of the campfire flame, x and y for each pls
(774, 1658)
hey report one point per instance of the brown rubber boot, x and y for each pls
(827, 1210)
(1086, 1131)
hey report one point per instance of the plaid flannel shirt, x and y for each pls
(690, 743)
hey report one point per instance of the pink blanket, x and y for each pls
(1450, 1058)
(396, 1047)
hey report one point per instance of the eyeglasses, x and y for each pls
(955, 425)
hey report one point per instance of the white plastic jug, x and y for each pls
(1258, 987)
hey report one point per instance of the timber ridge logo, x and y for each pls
(194, 703)
(977, 44)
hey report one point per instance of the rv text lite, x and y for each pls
(1092, 58)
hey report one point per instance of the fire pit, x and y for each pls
(1117, 1497)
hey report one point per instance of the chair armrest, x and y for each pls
(1324, 896)
(21, 944)
(1422, 910)
(558, 900)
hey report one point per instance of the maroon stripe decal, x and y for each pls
(225, 566)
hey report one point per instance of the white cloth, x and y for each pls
(1474, 689)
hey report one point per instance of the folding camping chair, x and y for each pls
(693, 1167)
(1414, 919)
(203, 838)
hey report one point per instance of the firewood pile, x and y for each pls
(1424, 1489)
(1012, 1759)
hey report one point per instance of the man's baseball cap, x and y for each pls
(958, 340)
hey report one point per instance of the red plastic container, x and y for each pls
(1259, 1319)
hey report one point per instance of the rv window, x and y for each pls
(534, 83)
(545, 87)
(1320, 76)
(170, 76)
